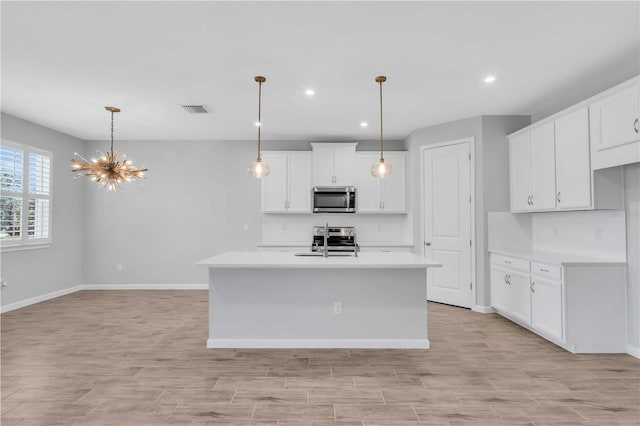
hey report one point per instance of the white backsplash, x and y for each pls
(370, 228)
(599, 233)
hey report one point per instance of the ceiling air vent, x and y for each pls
(196, 109)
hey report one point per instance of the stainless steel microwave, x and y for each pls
(334, 199)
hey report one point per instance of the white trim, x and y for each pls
(483, 309)
(69, 290)
(320, 343)
(634, 351)
(472, 185)
(146, 287)
(41, 298)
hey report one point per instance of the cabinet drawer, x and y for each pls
(510, 262)
(544, 270)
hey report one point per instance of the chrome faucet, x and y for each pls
(326, 240)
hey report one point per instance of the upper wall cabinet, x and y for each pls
(573, 174)
(388, 195)
(566, 161)
(532, 170)
(614, 126)
(287, 189)
(333, 164)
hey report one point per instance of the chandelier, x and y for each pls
(381, 169)
(258, 168)
(109, 169)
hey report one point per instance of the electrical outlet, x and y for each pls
(337, 308)
(119, 267)
(598, 233)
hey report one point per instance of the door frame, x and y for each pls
(470, 141)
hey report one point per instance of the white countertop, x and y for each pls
(361, 244)
(562, 258)
(267, 259)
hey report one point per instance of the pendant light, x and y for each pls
(258, 168)
(381, 169)
(108, 170)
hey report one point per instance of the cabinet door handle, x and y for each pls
(528, 200)
(533, 290)
(426, 243)
(532, 200)
(507, 261)
(544, 270)
(558, 197)
(505, 279)
(635, 125)
(509, 279)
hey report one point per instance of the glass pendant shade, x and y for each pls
(259, 169)
(381, 169)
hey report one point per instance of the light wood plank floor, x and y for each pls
(139, 358)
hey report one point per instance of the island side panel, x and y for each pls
(284, 307)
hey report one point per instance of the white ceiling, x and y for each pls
(62, 62)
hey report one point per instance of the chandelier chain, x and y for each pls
(112, 133)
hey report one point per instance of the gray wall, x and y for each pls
(194, 204)
(32, 273)
(632, 206)
(491, 188)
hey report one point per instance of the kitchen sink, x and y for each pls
(317, 254)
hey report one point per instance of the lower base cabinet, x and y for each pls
(580, 307)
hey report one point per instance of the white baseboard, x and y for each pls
(483, 309)
(42, 298)
(319, 343)
(633, 351)
(69, 290)
(145, 287)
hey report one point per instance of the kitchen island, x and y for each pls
(279, 300)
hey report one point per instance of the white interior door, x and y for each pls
(447, 223)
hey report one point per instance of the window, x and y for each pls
(25, 196)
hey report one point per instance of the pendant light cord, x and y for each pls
(111, 134)
(381, 154)
(259, 115)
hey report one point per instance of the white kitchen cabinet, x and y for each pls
(573, 171)
(614, 126)
(579, 306)
(518, 296)
(287, 189)
(333, 164)
(375, 195)
(532, 169)
(499, 287)
(546, 303)
(543, 168)
(520, 172)
(550, 168)
(510, 293)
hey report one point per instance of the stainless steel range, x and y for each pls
(334, 239)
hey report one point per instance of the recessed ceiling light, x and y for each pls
(490, 79)
(309, 92)
(364, 124)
